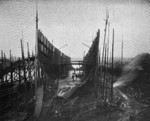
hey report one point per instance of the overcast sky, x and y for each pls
(74, 22)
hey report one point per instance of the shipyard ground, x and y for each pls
(91, 112)
(88, 112)
(136, 112)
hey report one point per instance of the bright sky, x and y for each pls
(74, 22)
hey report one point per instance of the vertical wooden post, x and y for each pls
(2, 60)
(29, 70)
(98, 63)
(105, 86)
(107, 51)
(11, 73)
(19, 69)
(53, 54)
(122, 52)
(79, 67)
(36, 53)
(112, 80)
(103, 52)
(110, 76)
(23, 59)
(99, 74)
(5, 65)
(59, 66)
(96, 66)
(108, 44)
(99, 56)
(105, 31)
(49, 49)
(102, 81)
(46, 47)
(107, 68)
